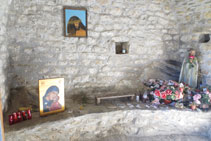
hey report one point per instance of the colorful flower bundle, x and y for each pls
(163, 90)
(202, 99)
(167, 90)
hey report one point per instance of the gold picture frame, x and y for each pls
(2, 138)
(51, 96)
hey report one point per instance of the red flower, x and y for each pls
(163, 95)
(178, 95)
(168, 92)
(181, 89)
(157, 93)
(191, 57)
(162, 87)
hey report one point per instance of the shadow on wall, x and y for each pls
(205, 51)
(204, 38)
(166, 70)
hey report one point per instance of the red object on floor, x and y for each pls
(11, 120)
(167, 101)
(15, 118)
(19, 116)
(29, 114)
(24, 115)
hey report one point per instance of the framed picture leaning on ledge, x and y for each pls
(51, 96)
(75, 22)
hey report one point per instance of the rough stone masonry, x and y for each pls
(3, 54)
(154, 29)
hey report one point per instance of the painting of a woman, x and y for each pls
(51, 96)
(75, 22)
(189, 70)
(75, 27)
(51, 99)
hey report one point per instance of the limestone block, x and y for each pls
(173, 30)
(163, 21)
(102, 2)
(97, 49)
(160, 14)
(140, 61)
(167, 37)
(115, 11)
(104, 19)
(81, 79)
(152, 18)
(185, 38)
(108, 34)
(154, 7)
(207, 15)
(71, 70)
(117, 26)
(99, 28)
(93, 71)
(28, 51)
(92, 41)
(95, 9)
(2, 30)
(176, 37)
(106, 69)
(120, 39)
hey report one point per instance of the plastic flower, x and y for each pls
(157, 93)
(196, 97)
(197, 102)
(181, 95)
(156, 101)
(181, 90)
(163, 95)
(181, 85)
(191, 57)
(178, 95)
(168, 92)
(162, 87)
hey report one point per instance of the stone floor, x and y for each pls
(74, 109)
(122, 125)
(118, 120)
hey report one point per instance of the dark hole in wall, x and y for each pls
(204, 38)
(122, 47)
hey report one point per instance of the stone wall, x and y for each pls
(39, 50)
(194, 19)
(4, 54)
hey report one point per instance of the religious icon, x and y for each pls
(189, 70)
(75, 22)
(51, 95)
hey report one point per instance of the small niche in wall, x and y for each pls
(204, 38)
(122, 47)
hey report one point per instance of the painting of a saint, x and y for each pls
(51, 99)
(51, 95)
(75, 22)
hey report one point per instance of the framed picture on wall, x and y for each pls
(75, 22)
(51, 96)
(2, 124)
